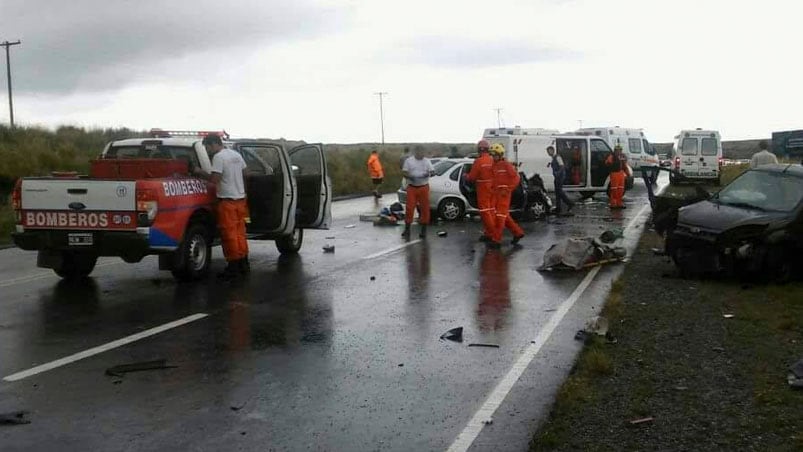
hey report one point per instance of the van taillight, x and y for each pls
(677, 162)
(147, 206)
(720, 161)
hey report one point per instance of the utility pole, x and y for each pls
(7, 44)
(498, 117)
(382, 114)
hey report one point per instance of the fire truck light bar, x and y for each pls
(159, 133)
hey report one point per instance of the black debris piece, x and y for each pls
(455, 334)
(484, 345)
(582, 335)
(401, 364)
(373, 278)
(14, 418)
(442, 233)
(329, 249)
(119, 371)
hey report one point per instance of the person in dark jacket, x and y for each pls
(559, 173)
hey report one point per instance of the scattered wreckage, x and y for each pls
(752, 227)
(585, 252)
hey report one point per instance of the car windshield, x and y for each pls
(764, 190)
(443, 166)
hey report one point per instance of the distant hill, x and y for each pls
(736, 150)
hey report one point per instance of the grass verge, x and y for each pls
(708, 382)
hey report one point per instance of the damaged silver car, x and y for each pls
(751, 228)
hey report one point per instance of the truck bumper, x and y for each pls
(130, 245)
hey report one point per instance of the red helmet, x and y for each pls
(483, 145)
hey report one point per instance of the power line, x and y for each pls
(382, 114)
(7, 45)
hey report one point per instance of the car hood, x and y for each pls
(720, 217)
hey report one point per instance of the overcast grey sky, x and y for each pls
(307, 69)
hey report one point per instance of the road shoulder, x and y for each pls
(696, 379)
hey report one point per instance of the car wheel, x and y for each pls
(536, 210)
(290, 244)
(76, 265)
(451, 209)
(193, 257)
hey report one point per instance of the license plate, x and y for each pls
(79, 239)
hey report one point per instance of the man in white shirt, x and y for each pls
(763, 157)
(417, 170)
(228, 175)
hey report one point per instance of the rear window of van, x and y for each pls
(689, 146)
(709, 146)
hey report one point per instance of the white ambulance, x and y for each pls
(696, 155)
(634, 144)
(583, 155)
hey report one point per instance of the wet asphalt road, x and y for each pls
(315, 352)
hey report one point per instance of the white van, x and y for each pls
(583, 155)
(697, 155)
(634, 144)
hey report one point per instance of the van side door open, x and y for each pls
(314, 209)
(599, 171)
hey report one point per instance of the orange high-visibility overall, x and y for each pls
(482, 174)
(618, 168)
(417, 196)
(231, 214)
(375, 167)
(505, 180)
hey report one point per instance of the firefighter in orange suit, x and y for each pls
(228, 174)
(376, 172)
(482, 175)
(505, 180)
(617, 165)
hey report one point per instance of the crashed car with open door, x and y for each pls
(288, 191)
(752, 228)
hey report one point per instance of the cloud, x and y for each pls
(97, 45)
(452, 52)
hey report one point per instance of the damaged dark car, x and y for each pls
(753, 228)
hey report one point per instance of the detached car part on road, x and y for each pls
(752, 227)
(140, 199)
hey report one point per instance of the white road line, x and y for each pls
(102, 348)
(391, 250)
(494, 401)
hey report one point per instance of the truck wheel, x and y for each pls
(76, 265)
(290, 244)
(451, 209)
(193, 257)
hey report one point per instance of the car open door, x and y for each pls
(270, 186)
(314, 208)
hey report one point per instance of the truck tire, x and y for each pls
(192, 258)
(76, 265)
(290, 244)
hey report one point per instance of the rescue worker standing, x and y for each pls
(376, 172)
(482, 175)
(617, 166)
(559, 174)
(417, 170)
(505, 180)
(228, 175)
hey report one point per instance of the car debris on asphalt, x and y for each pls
(455, 334)
(329, 249)
(585, 252)
(442, 233)
(350, 226)
(795, 377)
(483, 345)
(14, 418)
(120, 370)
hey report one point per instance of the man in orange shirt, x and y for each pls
(482, 175)
(505, 180)
(376, 172)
